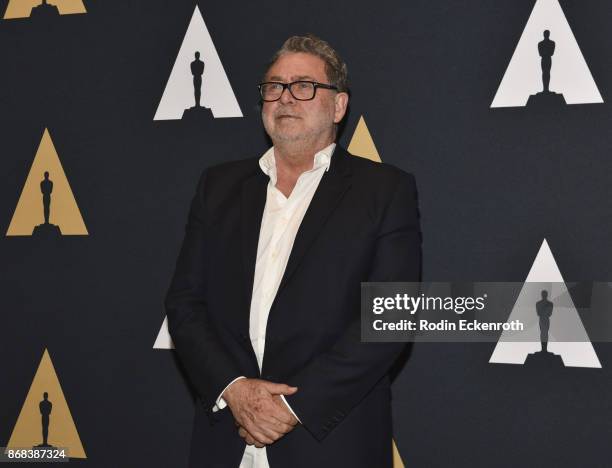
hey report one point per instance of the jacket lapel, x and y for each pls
(334, 183)
(253, 202)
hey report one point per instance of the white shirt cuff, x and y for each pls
(296, 417)
(220, 402)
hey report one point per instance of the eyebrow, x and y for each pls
(293, 78)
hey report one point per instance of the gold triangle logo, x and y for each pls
(45, 419)
(397, 460)
(41, 8)
(362, 144)
(46, 205)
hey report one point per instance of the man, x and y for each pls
(264, 306)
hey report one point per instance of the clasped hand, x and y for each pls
(260, 414)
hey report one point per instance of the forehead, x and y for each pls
(297, 65)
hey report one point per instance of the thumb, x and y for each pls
(280, 388)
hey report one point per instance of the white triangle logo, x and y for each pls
(569, 77)
(576, 353)
(164, 340)
(215, 90)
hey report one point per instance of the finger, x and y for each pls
(269, 430)
(270, 420)
(267, 412)
(262, 439)
(279, 425)
(276, 418)
(279, 429)
(258, 434)
(282, 413)
(269, 426)
(280, 421)
(279, 388)
(250, 440)
(284, 428)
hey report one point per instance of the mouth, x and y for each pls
(286, 116)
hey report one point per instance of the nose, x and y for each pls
(286, 96)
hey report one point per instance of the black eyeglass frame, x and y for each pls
(315, 84)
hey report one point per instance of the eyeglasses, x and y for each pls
(301, 90)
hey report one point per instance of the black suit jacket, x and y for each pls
(362, 225)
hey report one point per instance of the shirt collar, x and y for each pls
(321, 159)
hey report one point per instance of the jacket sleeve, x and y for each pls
(208, 364)
(335, 381)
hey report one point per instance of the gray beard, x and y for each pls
(298, 143)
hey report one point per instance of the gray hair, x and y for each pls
(335, 68)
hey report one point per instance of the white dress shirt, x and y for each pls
(281, 220)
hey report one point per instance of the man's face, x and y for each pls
(291, 120)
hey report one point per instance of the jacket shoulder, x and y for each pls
(236, 168)
(229, 175)
(378, 173)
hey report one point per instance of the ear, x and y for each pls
(340, 103)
